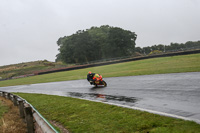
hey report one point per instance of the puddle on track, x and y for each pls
(105, 98)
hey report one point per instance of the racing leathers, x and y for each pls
(90, 78)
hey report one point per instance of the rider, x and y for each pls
(91, 77)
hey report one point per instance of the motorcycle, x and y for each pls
(98, 80)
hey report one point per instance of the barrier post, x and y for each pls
(21, 108)
(15, 100)
(8, 96)
(29, 119)
(3, 94)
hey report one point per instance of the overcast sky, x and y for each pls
(29, 29)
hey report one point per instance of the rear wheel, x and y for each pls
(104, 83)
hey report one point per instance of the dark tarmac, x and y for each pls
(177, 94)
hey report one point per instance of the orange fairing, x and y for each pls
(98, 80)
(97, 77)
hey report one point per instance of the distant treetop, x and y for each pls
(96, 43)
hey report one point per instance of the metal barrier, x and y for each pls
(107, 62)
(34, 120)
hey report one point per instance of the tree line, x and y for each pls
(96, 43)
(168, 48)
(107, 42)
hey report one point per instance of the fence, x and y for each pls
(36, 123)
(108, 62)
(117, 60)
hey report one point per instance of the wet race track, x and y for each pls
(176, 95)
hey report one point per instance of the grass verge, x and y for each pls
(173, 64)
(10, 121)
(84, 116)
(3, 109)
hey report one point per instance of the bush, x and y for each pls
(154, 52)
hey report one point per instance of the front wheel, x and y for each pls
(104, 83)
(96, 85)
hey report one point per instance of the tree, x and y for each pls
(96, 43)
(171, 47)
(121, 42)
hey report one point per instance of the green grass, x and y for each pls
(14, 70)
(173, 64)
(85, 116)
(3, 109)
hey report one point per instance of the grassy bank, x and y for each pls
(10, 121)
(86, 116)
(14, 70)
(3, 109)
(173, 64)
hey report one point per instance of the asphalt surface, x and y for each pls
(177, 94)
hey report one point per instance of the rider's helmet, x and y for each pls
(89, 72)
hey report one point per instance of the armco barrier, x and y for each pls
(117, 61)
(114, 61)
(34, 120)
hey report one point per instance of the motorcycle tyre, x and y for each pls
(104, 83)
(96, 85)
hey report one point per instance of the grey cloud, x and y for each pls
(29, 29)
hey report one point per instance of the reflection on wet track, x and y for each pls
(102, 97)
(176, 93)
